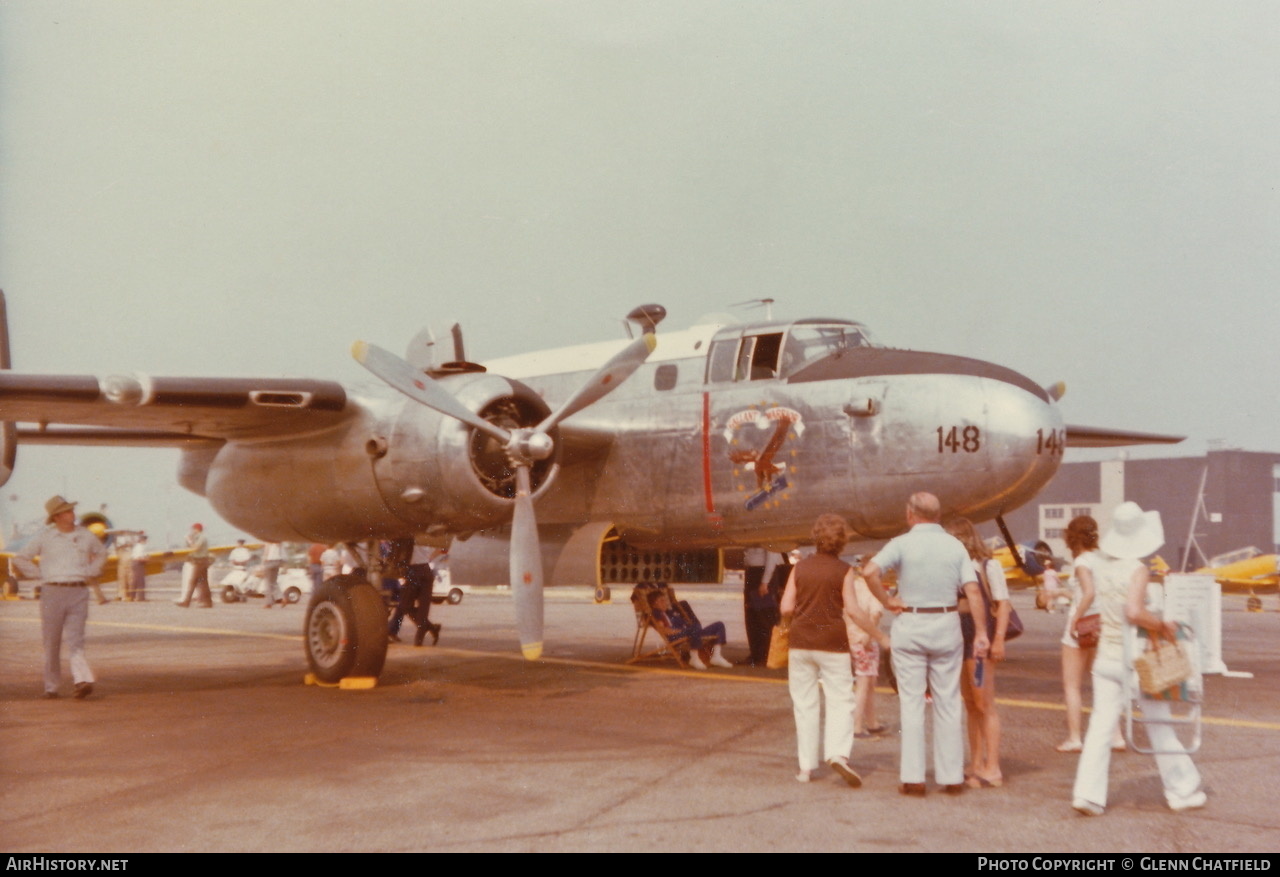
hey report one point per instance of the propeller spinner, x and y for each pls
(524, 446)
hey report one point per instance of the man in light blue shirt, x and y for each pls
(927, 646)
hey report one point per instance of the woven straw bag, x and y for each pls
(1162, 666)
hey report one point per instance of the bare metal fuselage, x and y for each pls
(675, 457)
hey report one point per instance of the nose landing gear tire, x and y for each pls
(229, 594)
(346, 630)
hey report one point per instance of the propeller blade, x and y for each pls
(526, 568)
(401, 376)
(606, 380)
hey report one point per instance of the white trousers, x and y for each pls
(1177, 771)
(63, 612)
(805, 667)
(928, 651)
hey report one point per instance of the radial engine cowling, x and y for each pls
(397, 469)
(438, 474)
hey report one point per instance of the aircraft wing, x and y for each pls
(142, 410)
(1096, 437)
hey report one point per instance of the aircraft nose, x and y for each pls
(1025, 439)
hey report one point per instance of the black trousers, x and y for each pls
(415, 598)
(760, 614)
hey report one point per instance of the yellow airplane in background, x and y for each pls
(97, 524)
(1025, 576)
(1243, 571)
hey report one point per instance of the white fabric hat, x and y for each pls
(1133, 533)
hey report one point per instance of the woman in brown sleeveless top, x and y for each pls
(818, 597)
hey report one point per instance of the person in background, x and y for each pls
(69, 558)
(1120, 580)
(272, 561)
(673, 625)
(330, 563)
(865, 655)
(415, 597)
(928, 649)
(980, 698)
(138, 559)
(195, 571)
(124, 568)
(818, 599)
(760, 612)
(314, 567)
(240, 556)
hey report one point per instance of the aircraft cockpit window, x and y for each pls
(752, 358)
(720, 363)
(807, 343)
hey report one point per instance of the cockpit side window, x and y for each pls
(762, 360)
(753, 358)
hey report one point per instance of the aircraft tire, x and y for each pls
(346, 630)
(455, 596)
(229, 594)
(292, 594)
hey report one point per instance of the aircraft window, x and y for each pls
(665, 376)
(744, 359)
(808, 343)
(720, 364)
(764, 356)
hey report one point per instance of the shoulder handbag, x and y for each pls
(1088, 631)
(1014, 628)
(1163, 665)
(779, 646)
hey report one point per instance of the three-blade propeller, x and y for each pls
(524, 447)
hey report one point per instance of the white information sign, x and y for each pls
(1195, 599)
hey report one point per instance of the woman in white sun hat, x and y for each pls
(1120, 582)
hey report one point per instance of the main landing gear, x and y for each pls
(346, 630)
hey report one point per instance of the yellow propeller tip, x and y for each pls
(360, 350)
(651, 341)
(532, 651)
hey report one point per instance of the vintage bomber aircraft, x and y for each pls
(643, 458)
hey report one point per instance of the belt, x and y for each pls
(929, 610)
(79, 584)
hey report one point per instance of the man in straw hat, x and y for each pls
(70, 559)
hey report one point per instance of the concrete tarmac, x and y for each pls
(201, 736)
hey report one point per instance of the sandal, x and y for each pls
(977, 782)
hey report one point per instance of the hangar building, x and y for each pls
(1232, 495)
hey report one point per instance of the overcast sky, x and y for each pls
(1084, 192)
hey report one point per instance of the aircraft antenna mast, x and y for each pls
(1195, 518)
(766, 303)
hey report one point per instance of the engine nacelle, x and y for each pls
(397, 469)
(442, 476)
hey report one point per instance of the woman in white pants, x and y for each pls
(819, 596)
(1120, 582)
